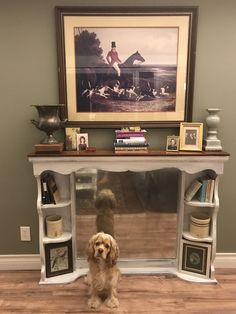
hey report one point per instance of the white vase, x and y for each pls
(212, 143)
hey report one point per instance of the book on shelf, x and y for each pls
(130, 152)
(52, 188)
(128, 134)
(131, 148)
(46, 197)
(141, 139)
(192, 189)
(128, 145)
(210, 190)
(206, 192)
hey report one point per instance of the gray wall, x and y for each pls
(28, 71)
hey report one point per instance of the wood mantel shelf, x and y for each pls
(150, 152)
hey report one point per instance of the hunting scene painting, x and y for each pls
(126, 70)
(119, 68)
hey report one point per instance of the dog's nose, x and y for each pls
(100, 251)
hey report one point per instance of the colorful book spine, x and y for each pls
(121, 134)
(130, 144)
(202, 191)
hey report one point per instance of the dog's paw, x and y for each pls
(94, 302)
(112, 302)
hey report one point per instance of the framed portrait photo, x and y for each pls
(172, 143)
(109, 76)
(82, 141)
(191, 136)
(195, 258)
(71, 138)
(58, 258)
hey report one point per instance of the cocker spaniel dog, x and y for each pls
(103, 273)
(105, 203)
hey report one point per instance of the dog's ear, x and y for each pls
(90, 248)
(114, 253)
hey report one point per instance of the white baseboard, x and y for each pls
(32, 262)
(20, 262)
(225, 260)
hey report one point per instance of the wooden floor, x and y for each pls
(21, 293)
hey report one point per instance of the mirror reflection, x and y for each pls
(138, 208)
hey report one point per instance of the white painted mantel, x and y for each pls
(69, 162)
(189, 164)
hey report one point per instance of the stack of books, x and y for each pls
(128, 141)
(206, 192)
(201, 189)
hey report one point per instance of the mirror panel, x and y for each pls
(140, 208)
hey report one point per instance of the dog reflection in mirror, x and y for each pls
(103, 273)
(105, 204)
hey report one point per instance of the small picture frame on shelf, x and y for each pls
(172, 143)
(58, 258)
(191, 136)
(82, 141)
(71, 138)
(195, 258)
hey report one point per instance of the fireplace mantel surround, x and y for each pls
(191, 165)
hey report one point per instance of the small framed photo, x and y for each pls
(191, 136)
(82, 141)
(58, 258)
(172, 143)
(195, 258)
(71, 138)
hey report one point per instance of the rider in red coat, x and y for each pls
(113, 59)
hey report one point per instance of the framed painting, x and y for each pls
(58, 258)
(122, 66)
(191, 136)
(71, 138)
(195, 258)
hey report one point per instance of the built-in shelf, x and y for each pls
(196, 203)
(187, 235)
(62, 203)
(66, 236)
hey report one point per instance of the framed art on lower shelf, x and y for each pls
(58, 258)
(195, 258)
